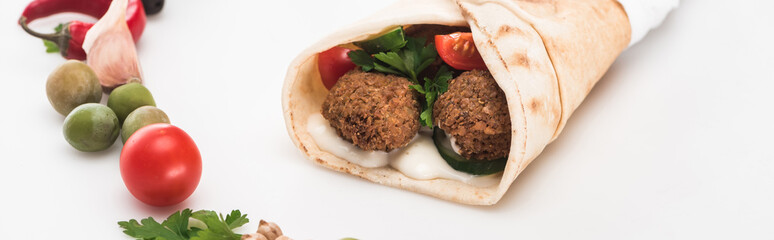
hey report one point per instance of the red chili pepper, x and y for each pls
(70, 39)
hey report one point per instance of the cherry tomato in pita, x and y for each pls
(333, 64)
(459, 51)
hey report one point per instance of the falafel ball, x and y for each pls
(474, 111)
(374, 111)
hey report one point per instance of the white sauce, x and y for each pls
(421, 160)
(418, 160)
(328, 140)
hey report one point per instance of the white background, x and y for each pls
(673, 143)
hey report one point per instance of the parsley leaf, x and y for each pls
(217, 228)
(362, 59)
(408, 61)
(432, 89)
(177, 227)
(178, 222)
(236, 219)
(149, 229)
(52, 47)
(393, 60)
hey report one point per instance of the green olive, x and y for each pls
(141, 117)
(91, 127)
(72, 84)
(125, 99)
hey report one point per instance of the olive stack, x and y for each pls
(73, 89)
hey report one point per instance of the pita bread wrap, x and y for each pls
(545, 55)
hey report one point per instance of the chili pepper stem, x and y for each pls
(61, 39)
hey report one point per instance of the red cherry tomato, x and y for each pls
(161, 165)
(333, 64)
(459, 51)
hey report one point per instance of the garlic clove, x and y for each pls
(266, 231)
(253, 236)
(269, 229)
(110, 50)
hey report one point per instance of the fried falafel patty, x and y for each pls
(374, 111)
(474, 111)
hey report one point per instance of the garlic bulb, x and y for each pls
(110, 50)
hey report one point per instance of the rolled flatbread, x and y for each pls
(545, 55)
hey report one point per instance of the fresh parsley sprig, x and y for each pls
(408, 61)
(177, 227)
(432, 89)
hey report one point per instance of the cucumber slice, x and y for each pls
(392, 40)
(459, 163)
